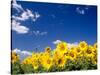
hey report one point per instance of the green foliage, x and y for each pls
(27, 68)
(16, 68)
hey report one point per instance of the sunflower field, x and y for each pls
(62, 58)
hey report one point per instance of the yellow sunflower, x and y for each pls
(47, 62)
(79, 52)
(62, 47)
(55, 57)
(61, 62)
(27, 60)
(94, 57)
(72, 55)
(95, 48)
(47, 49)
(73, 48)
(94, 60)
(35, 64)
(35, 55)
(89, 51)
(14, 57)
(67, 55)
(83, 46)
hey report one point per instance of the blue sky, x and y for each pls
(38, 25)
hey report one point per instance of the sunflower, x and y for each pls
(94, 60)
(27, 60)
(79, 52)
(67, 55)
(33, 60)
(61, 62)
(35, 64)
(35, 55)
(95, 48)
(73, 48)
(72, 55)
(41, 57)
(55, 57)
(47, 63)
(14, 57)
(47, 49)
(83, 46)
(89, 51)
(94, 57)
(62, 47)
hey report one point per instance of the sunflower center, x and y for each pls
(89, 51)
(48, 49)
(66, 54)
(71, 54)
(62, 47)
(82, 45)
(60, 61)
(48, 61)
(78, 50)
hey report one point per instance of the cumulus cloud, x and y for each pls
(27, 15)
(17, 6)
(39, 33)
(72, 44)
(68, 44)
(81, 10)
(23, 53)
(16, 26)
(56, 42)
(16, 50)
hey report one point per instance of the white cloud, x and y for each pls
(72, 44)
(24, 16)
(69, 44)
(16, 26)
(43, 33)
(80, 10)
(39, 33)
(36, 16)
(57, 41)
(17, 6)
(26, 52)
(23, 53)
(16, 50)
(27, 15)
